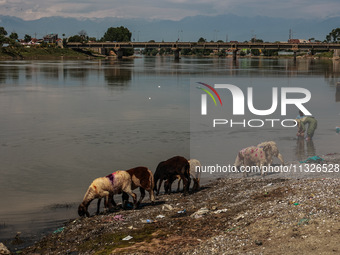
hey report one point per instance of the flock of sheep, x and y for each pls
(168, 171)
(140, 177)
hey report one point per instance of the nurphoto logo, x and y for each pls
(238, 104)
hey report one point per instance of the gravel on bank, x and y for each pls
(271, 215)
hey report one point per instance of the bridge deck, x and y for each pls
(207, 45)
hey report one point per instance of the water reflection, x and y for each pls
(50, 72)
(29, 70)
(302, 151)
(75, 73)
(121, 72)
(117, 77)
(8, 73)
(337, 93)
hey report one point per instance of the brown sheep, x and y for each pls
(167, 170)
(194, 174)
(141, 177)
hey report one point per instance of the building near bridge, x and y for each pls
(298, 41)
(51, 38)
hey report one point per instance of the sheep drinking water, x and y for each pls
(106, 187)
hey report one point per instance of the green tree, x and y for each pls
(334, 34)
(243, 53)
(270, 52)
(75, 38)
(83, 35)
(3, 34)
(202, 40)
(255, 52)
(27, 38)
(117, 34)
(3, 40)
(3, 31)
(221, 53)
(254, 40)
(186, 51)
(13, 36)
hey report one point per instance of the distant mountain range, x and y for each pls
(223, 27)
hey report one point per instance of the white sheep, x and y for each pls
(273, 152)
(106, 187)
(252, 156)
(195, 173)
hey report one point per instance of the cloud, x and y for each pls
(168, 9)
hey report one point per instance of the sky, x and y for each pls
(169, 9)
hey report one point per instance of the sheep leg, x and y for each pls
(112, 201)
(125, 200)
(170, 181)
(106, 203)
(142, 195)
(247, 162)
(185, 184)
(152, 196)
(179, 183)
(168, 184)
(159, 185)
(198, 187)
(262, 173)
(166, 187)
(281, 159)
(98, 204)
(196, 184)
(134, 197)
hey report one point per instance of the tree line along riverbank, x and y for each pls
(15, 53)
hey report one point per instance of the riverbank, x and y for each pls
(8, 53)
(273, 215)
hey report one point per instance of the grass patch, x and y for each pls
(328, 54)
(39, 53)
(107, 242)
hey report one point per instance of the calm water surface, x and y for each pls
(64, 123)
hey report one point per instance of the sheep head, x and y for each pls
(82, 210)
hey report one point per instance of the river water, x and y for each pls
(65, 123)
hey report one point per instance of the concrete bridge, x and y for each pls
(230, 46)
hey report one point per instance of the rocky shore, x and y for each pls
(271, 215)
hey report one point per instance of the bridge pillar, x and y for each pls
(99, 50)
(120, 53)
(234, 55)
(295, 56)
(336, 54)
(176, 53)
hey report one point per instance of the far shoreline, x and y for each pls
(15, 54)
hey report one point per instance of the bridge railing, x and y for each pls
(207, 45)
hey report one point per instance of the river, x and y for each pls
(64, 123)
